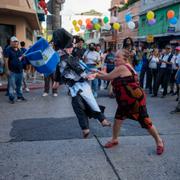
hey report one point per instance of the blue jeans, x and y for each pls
(94, 83)
(15, 84)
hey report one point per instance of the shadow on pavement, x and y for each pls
(41, 129)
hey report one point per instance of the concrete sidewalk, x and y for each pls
(134, 159)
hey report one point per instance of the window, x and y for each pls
(29, 34)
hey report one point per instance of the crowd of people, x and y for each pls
(157, 68)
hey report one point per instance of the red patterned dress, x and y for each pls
(131, 99)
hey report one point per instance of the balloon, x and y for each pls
(95, 20)
(88, 21)
(128, 17)
(107, 27)
(173, 20)
(170, 14)
(77, 29)
(131, 25)
(116, 26)
(74, 22)
(106, 19)
(89, 26)
(152, 21)
(97, 27)
(114, 19)
(150, 15)
(80, 22)
(83, 27)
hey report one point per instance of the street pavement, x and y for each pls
(41, 140)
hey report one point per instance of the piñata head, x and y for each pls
(62, 39)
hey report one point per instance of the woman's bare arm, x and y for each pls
(110, 76)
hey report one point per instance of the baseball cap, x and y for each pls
(168, 47)
(178, 48)
(14, 38)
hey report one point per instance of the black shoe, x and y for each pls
(21, 99)
(11, 101)
(154, 95)
(175, 111)
(163, 96)
(177, 99)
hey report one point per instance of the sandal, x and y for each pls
(106, 123)
(160, 149)
(111, 144)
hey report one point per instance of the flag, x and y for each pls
(43, 57)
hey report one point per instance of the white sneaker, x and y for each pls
(0, 84)
(27, 89)
(55, 94)
(45, 94)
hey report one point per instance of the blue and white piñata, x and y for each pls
(43, 57)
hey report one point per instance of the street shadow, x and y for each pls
(41, 129)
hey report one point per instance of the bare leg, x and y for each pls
(116, 129)
(153, 131)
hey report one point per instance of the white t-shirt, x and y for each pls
(165, 58)
(91, 57)
(153, 62)
(178, 60)
(1, 52)
(174, 61)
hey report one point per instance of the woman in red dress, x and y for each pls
(130, 98)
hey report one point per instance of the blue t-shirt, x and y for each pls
(109, 60)
(14, 62)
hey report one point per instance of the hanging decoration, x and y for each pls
(150, 15)
(116, 26)
(131, 25)
(42, 4)
(170, 14)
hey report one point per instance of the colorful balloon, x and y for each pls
(97, 27)
(88, 21)
(150, 15)
(116, 26)
(80, 22)
(95, 20)
(83, 27)
(107, 27)
(170, 14)
(89, 26)
(128, 17)
(173, 20)
(152, 21)
(131, 25)
(74, 22)
(106, 19)
(77, 29)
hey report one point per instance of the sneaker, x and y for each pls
(163, 96)
(11, 101)
(55, 94)
(21, 99)
(45, 94)
(154, 95)
(175, 111)
(27, 89)
(0, 84)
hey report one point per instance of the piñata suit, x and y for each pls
(71, 73)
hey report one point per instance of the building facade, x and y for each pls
(19, 18)
(162, 31)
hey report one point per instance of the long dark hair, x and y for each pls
(125, 44)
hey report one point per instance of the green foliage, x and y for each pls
(130, 2)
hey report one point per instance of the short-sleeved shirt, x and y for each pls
(92, 57)
(77, 52)
(14, 63)
(165, 58)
